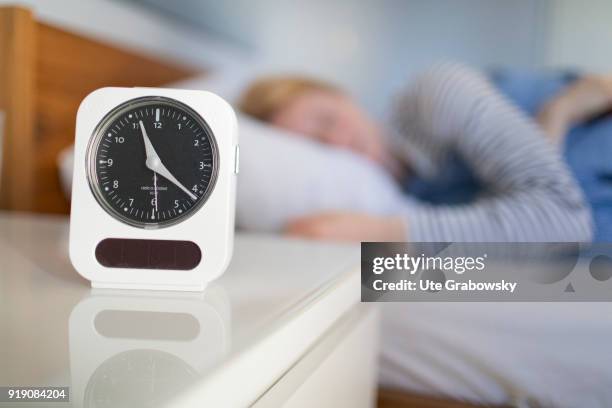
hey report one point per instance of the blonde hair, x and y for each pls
(266, 96)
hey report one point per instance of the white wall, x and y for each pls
(371, 46)
(580, 35)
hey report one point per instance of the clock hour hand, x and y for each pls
(154, 163)
(149, 150)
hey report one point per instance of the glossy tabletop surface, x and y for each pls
(131, 348)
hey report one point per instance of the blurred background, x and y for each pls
(53, 53)
(369, 47)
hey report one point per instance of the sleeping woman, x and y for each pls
(480, 168)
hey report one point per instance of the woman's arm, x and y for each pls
(531, 193)
(349, 226)
(582, 100)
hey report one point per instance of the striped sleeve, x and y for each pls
(530, 194)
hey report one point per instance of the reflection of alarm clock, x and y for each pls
(140, 349)
(136, 378)
(153, 195)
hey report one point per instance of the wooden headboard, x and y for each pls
(45, 72)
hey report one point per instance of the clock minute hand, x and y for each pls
(154, 163)
(158, 167)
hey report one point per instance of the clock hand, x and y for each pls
(149, 150)
(158, 167)
(154, 163)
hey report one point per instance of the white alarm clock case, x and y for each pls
(211, 227)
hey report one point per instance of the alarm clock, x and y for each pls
(153, 194)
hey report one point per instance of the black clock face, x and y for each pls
(152, 162)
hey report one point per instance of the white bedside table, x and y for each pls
(283, 327)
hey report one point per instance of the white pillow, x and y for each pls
(283, 176)
(228, 84)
